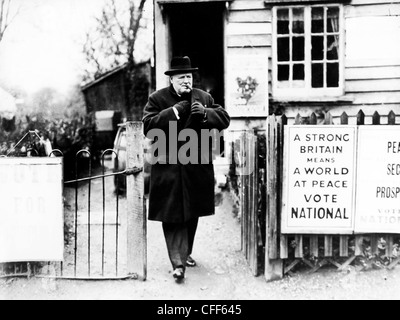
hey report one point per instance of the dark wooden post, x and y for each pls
(283, 240)
(273, 264)
(253, 197)
(359, 238)
(376, 118)
(344, 118)
(313, 118)
(344, 240)
(391, 118)
(136, 215)
(244, 194)
(360, 118)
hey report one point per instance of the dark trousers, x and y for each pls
(179, 238)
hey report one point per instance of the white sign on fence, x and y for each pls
(318, 189)
(378, 180)
(31, 215)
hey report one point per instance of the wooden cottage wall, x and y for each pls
(372, 65)
(249, 33)
(249, 30)
(371, 57)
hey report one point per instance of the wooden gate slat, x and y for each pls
(281, 131)
(389, 246)
(344, 246)
(344, 118)
(391, 118)
(374, 243)
(273, 265)
(314, 246)
(358, 244)
(244, 195)
(256, 194)
(253, 206)
(273, 187)
(298, 253)
(328, 246)
(284, 252)
(247, 200)
(376, 118)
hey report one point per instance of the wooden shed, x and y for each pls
(111, 92)
(107, 92)
(259, 57)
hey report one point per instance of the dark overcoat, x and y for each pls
(180, 192)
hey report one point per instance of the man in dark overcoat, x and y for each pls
(181, 192)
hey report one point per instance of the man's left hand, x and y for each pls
(198, 110)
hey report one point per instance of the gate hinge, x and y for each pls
(133, 171)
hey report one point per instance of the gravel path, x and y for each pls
(222, 273)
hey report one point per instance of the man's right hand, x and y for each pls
(183, 107)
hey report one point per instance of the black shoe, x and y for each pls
(179, 274)
(190, 262)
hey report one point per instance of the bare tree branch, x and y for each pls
(135, 23)
(2, 19)
(1, 11)
(121, 28)
(113, 41)
(5, 20)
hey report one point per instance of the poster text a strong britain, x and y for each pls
(318, 191)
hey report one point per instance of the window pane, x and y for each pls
(320, 68)
(317, 51)
(298, 48)
(283, 72)
(283, 49)
(317, 74)
(333, 19)
(283, 21)
(298, 72)
(317, 20)
(333, 48)
(332, 77)
(298, 20)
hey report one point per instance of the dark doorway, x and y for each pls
(197, 30)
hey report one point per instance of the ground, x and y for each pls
(222, 273)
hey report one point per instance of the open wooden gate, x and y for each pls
(103, 240)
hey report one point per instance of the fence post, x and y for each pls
(391, 118)
(136, 213)
(273, 265)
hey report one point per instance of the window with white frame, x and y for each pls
(308, 51)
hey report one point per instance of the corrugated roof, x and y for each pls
(102, 77)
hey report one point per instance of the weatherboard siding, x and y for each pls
(371, 57)
(372, 66)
